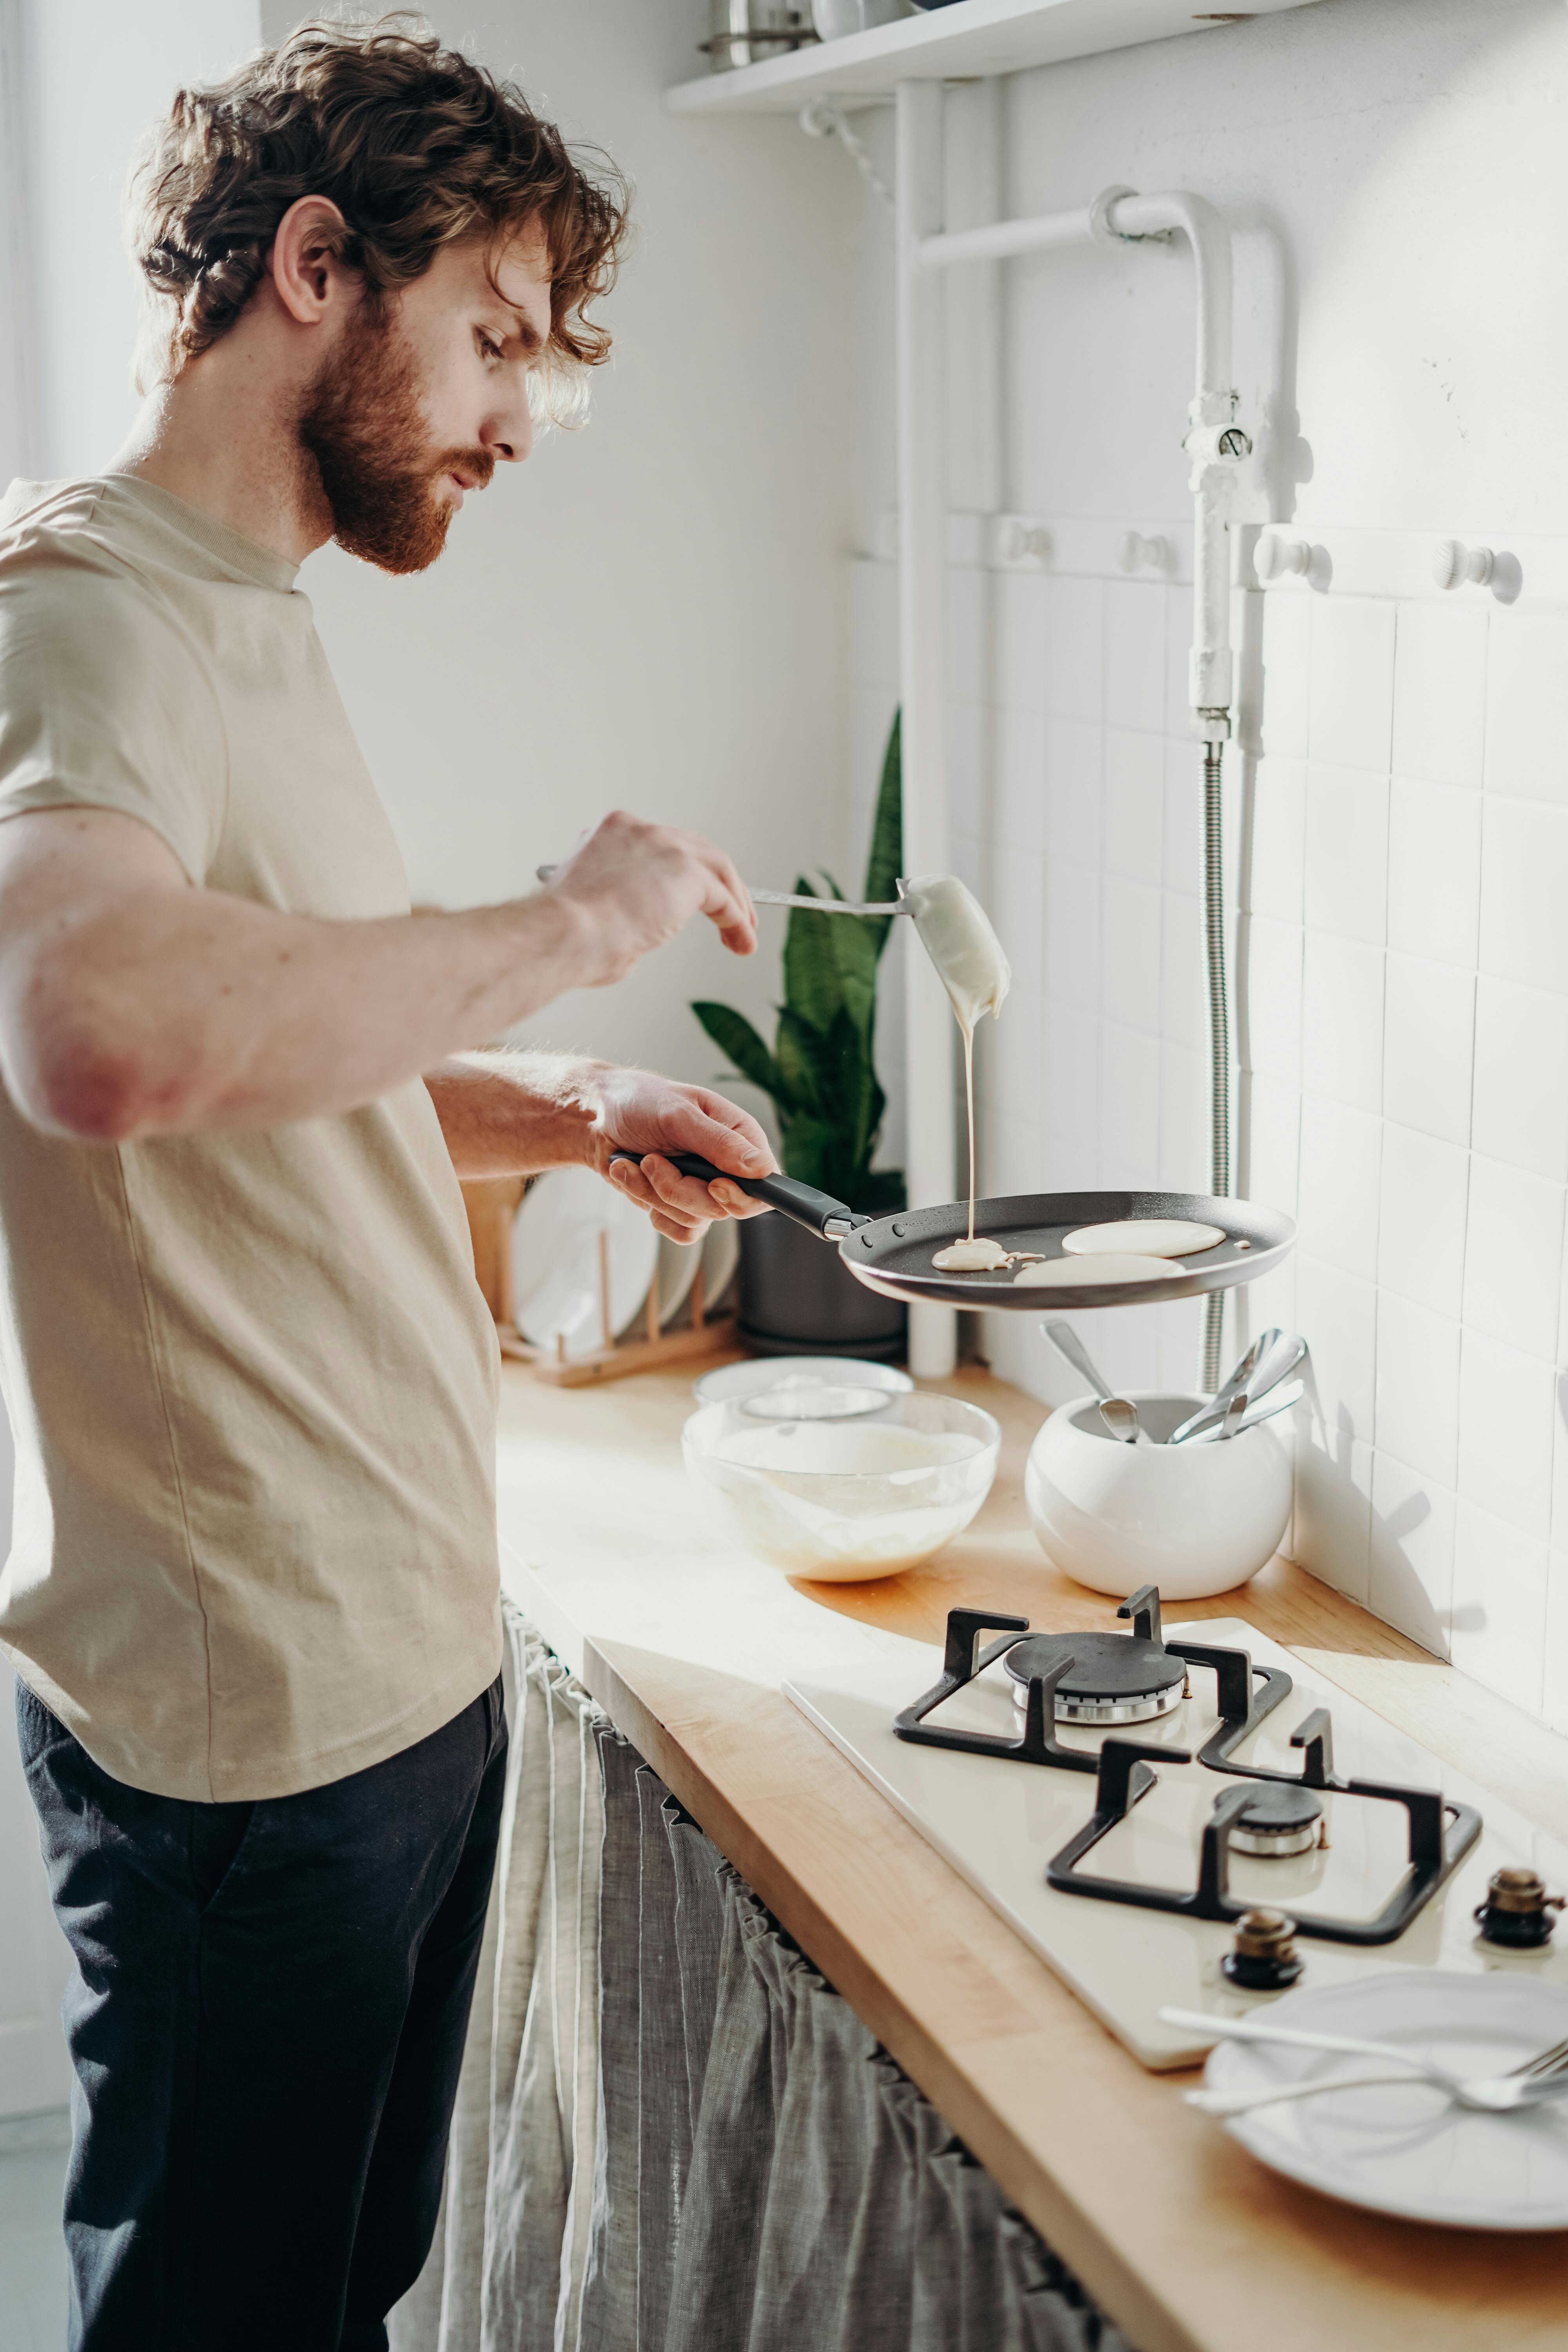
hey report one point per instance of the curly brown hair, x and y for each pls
(417, 146)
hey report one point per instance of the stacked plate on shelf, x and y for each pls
(573, 1235)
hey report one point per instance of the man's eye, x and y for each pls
(489, 347)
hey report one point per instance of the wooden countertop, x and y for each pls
(1188, 2244)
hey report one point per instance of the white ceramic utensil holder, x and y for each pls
(1194, 1519)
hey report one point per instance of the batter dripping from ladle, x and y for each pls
(955, 932)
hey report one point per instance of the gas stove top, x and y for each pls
(1267, 1830)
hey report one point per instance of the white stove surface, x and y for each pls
(999, 1823)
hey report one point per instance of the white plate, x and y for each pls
(759, 1372)
(676, 1273)
(1411, 2151)
(555, 1260)
(720, 1256)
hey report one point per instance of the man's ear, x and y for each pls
(306, 263)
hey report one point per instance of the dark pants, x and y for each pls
(266, 2020)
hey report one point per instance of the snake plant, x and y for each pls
(821, 1074)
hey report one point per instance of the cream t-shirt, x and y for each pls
(250, 1377)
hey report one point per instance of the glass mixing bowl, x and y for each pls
(845, 1498)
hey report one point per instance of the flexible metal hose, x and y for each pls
(1219, 1040)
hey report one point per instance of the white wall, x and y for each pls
(94, 73)
(651, 613)
(1398, 808)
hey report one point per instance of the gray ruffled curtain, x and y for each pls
(672, 2135)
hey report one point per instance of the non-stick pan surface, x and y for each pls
(893, 1254)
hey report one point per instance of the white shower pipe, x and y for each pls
(1217, 446)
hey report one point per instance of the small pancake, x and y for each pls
(978, 1256)
(1143, 1237)
(1083, 1273)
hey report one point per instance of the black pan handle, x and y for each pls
(802, 1204)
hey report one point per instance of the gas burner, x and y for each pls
(1276, 1819)
(1439, 1834)
(1111, 1678)
(1096, 1679)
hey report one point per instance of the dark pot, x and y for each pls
(798, 1298)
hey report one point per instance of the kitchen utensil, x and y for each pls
(845, 1500)
(835, 18)
(790, 898)
(892, 1255)
(732, 1382)
(1407, 2148)
(1272, 1355)
(1498, 2093)
(1119, 1415)
(1215, 1409)
(582, 1260)
(1066, 1343)
(1273, 1401)
(1194, 1519)
(746, 31)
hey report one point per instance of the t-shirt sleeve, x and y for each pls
(104, 703)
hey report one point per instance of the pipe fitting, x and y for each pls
(1219, 445)
(1100, 226)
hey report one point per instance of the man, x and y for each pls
(253, 1597)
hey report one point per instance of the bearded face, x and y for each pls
(382, 476)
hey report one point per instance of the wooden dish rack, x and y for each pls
(492, 1203)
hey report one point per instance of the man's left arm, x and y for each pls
(515, 1114)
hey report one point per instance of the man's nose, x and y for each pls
(510, 438)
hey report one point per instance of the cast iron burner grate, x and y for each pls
(1439, 1833)
(1092, 1678)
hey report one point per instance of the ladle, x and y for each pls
(790, 898)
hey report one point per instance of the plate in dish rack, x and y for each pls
(556, 1261)
(1409, 2150)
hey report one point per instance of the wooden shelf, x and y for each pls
(961, 42)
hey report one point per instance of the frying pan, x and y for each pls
(893, 1254)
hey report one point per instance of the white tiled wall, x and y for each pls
(1398, 847)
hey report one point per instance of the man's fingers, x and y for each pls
(678, 1223)
(735, 1202)
(727, 902)
(739, 1150)
(688, 1195)
(673, 1229)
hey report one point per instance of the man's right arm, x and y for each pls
(134, 1004)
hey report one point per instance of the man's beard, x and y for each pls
(363, 423)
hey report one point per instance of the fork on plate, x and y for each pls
(1545, 2076)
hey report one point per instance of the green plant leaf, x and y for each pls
(812, 988)
(855, 955)
(797, 1049)
(733, 1035)
(809, 1149)
(886, 862)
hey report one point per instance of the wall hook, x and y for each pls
(1453, 564)
(1281, 555)
(1141, 554)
